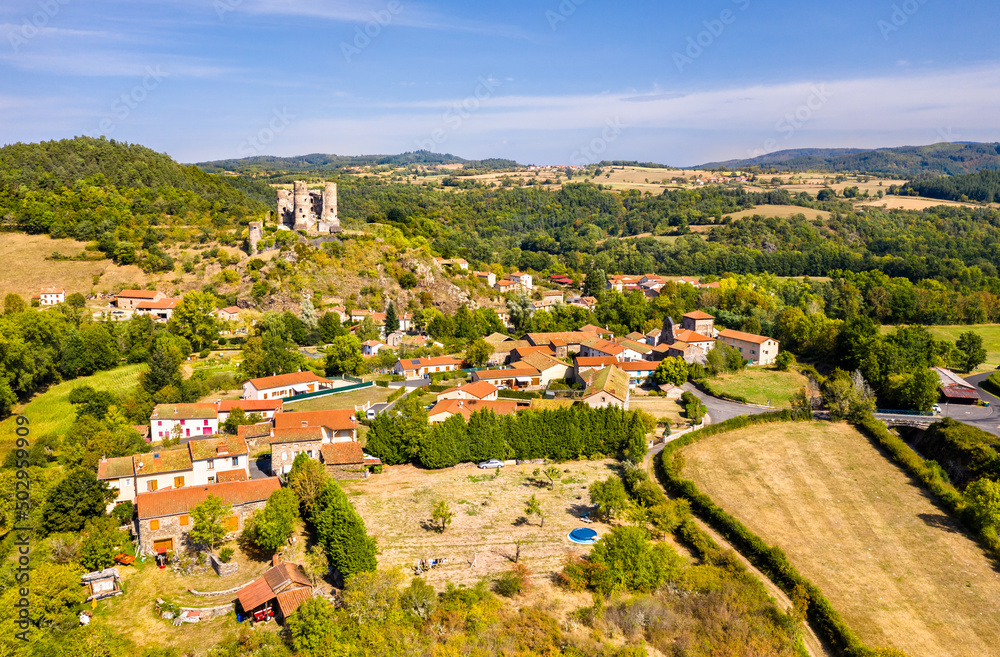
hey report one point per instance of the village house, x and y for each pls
(756, 349)
(699, 322)
(505, 286)
(50, 296)
(521, 280)
(308, 431)
(638, 371)
(480, 391)
(278, 593)
(418, 368)
(487, 277)
(634, 349)
(371, 347)
(564, 342)
(599, 347)
(183, 421)
(519, 377)
(608, 387)
(520, 352)
(129, 299)
(346, 460)
(164, 517)
(228, 314)
(161, 310)
(285, 385)
(449, 407)
(265, 408)
(549, 369)
(208, 461)
(601, 332)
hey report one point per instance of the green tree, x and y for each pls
(534, 508)
(983, 498)
(13, 304)
(271, 527)
(973, 352)
(626, 560)
(671, 370)
(313, 627)
(307, 478)
(391, 319)
(478, 353)
(101, 542)
(442, 516)
(595, 283)
(164, 370)
(341, 532)
(77, 497)
(372, 597)
(343, 356)
(192, 320)
(785, 361)
(330, 328)
(316, 563)
(609, 496)
(551, 473)
(208, 526)
(368, 330)
(520, 309)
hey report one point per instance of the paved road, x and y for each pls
(720, 410)
(985, 418)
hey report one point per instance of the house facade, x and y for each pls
(480, 390)
(265, 408)
(757, 349)
(309, 431)
(161, 310)
(50, 296)
(418, 368)
(188, 419)
(285, 385)
(519, 377)
(129, 299)
(164, 517)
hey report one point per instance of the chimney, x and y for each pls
(222, 449)
(275, 560)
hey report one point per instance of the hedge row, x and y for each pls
(396, 395)
(518, 394)
(931, 475)
(991, 384)
(770, 560)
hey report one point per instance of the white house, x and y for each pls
(371, 347)
(480, 390)
(285, 385)
(758, 349)
(522, 280)
(418, 368)
(50, 296)
(191, 419)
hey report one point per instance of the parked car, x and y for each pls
(491, 464)
(936, 409)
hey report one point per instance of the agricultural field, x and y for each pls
(51, 412)
(489, 516)
(898, 569)
(760, 385)
(990, 333)
(783, 211)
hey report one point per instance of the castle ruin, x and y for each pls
(311, 211)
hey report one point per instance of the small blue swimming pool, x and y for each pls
(583, 536)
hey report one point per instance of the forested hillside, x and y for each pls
(321, 163)
(983, 186)
(130, 199)
(905, 161)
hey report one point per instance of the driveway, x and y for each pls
(260, 467)
(985, 418)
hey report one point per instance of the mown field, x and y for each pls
(760, 385)
(897, 568)
(51, 412)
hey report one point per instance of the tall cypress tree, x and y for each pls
(341, 532)
(391, 319)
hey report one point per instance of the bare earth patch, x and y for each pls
(899, 570)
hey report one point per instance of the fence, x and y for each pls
(886, 411)
(322, 393)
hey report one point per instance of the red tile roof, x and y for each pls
(697, 314)
(291, 379)
(505, 374)
(162, 304)
(284, 577)
(176, 501)
(414, 363)
(334, 420)
(231, 475)
(254, 430)
(744, 337)
(138, 294)
(297, 435)
(470, 406)
(477, 389)
(250, 405)
(216, 447)
(349, 453)
(185, 412)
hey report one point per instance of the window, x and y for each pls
(206, 423)
(151, 486)
(211, 464)
(236, 460)
(178, 482)
(185, 521)
(154, 525)
(211, 480)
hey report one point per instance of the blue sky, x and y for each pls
(542, 82)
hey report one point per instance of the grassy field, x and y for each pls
(783, 211)
(51, 412)
(990, 333)
(344, 400)
(661, 407)
(761, 385)
(489, 517)
(899, 570)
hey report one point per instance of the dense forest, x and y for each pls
(983, 186)
(905, 161)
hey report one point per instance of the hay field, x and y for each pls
(51, 412)
(761, 385)
(783, 211)
(396, 505)
(914, 203)
(897, 568)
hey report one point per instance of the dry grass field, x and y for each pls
(914, 203)
(34, 271)
(897, 568)
(489, 516)
(783, 211)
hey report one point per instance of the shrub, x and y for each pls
(226, 554)
(513, 582)
(204, 353)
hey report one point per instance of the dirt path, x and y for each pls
(815, 647)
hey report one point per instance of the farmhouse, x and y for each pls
(183, 421)
(50, 296)
(228, 314)
(164, 517)
(512, 378)
(160, 310)
(487, 277)
(445, 409)
(549, 368)
(758, 349)
(129, 299)
(521, 280)
(418, 368)
(609, 387)
(505, 286)
(480, 390)
(308, 432)
(285, 385)
(344, 460)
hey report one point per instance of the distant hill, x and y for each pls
(904, 161)
(326, 163)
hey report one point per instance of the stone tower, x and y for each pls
(329, 215)
(286, 209)
(303, 205)
(256, 233)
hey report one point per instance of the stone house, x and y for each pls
(344, 460)
(129, 299)
(164, 517)
(608, 387)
